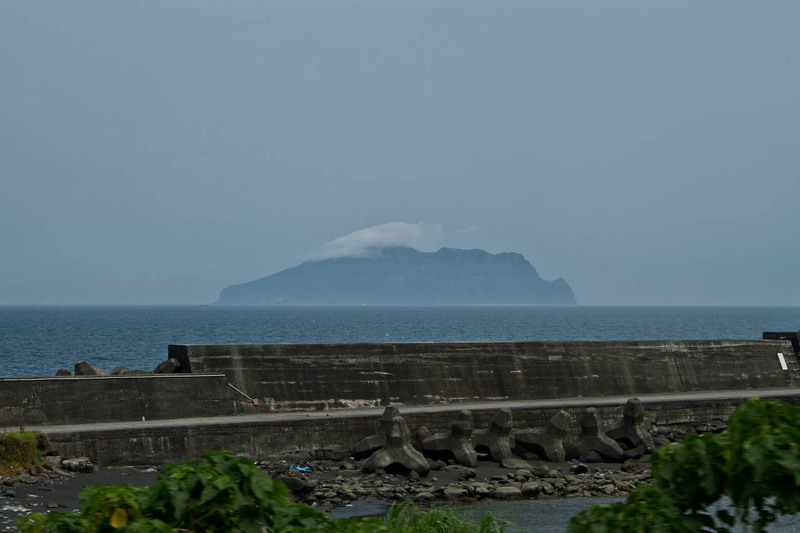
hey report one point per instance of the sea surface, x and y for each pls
(39, 340)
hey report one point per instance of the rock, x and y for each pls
(82, 368)
(539, 470)
(507, 492)
(52, 460)
(28, 479)
(120, 370)
(515, 463)
(170, 366)
(660, 440)
(579, 468)
(297, 484)
(631, 465)
(455, 493)
(591, 457)
(79, 464)
(523, 474)
(530, 488)
(63, 372)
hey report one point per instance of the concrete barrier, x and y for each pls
(75, 400)
(334, 434)
(329, 376)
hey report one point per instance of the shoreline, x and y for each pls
(343, 490)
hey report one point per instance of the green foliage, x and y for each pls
(755, 463)
(22, 449)
(228, 493)
(405, 517)
(221, 493)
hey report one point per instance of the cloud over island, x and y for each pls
(422, 236)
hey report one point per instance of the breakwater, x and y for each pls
(294, 400)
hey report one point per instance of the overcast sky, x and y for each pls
(156, 152)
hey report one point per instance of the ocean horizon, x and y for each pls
(38, 340)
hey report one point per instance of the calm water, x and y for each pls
(40, 340)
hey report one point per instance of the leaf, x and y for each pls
(119, 517)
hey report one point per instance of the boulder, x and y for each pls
(170, 366)
(82, 368)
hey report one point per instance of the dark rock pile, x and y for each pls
(82, 368)
(333, 484)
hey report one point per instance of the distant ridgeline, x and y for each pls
(405, 276)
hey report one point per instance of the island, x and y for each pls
(405, 276)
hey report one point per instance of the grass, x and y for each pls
(21, 450)
(406, 517)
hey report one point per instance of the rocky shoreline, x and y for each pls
(331, 484)
(350, 489)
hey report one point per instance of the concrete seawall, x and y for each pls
(324, 376)
(320, 399)
(300, 436)
(75, 400)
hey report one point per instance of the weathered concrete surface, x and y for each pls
(327, 376)
(458, 442)
(335, 433)
(398, 451)
(81, 399)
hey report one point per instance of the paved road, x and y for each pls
(438, 408)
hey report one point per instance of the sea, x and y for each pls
(39, 340)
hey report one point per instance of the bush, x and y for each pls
(221, 493)
(755, 463)
(21, 450)
(405, 517)
(227, 493)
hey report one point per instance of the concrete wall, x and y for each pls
(322, 376)
(333, 435)
(77, 400)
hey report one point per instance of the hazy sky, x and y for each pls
(156, 152)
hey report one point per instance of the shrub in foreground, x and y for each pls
(227, 493)
(754, 464)
(21, 449)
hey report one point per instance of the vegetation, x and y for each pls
(21, 450)
(226, 493)
(754, 464)
(405, 517)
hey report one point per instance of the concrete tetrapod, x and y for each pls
(457, 441)
(497, 437)
(398, 451)
(593, 438)
(370, 444)
(549, 443)
(631, 429)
